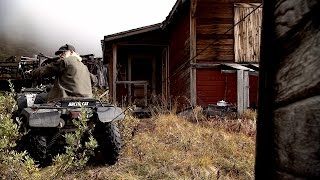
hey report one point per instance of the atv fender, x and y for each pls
(109, 113)
(42, 117)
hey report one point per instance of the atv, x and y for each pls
(45, 124)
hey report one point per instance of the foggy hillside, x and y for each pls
(9, 47)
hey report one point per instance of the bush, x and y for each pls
(14, 165)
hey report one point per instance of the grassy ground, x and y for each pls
(165, 146)
(169, 147)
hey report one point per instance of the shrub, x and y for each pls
(14, 165)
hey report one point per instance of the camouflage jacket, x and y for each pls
(72, 78)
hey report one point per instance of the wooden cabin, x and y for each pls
(203, 52)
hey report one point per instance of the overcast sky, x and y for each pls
(83, 23)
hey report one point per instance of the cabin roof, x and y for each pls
(131, 32)
(149, 28)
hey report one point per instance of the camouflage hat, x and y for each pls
(65, 48)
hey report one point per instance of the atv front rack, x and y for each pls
(49, 115)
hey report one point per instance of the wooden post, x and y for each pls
(154, 79)
(193, 52)
(240, 98)
(288, 123)
(242, 91)
(164, 83)
(114, 74)
(129, 79)
(246, 87)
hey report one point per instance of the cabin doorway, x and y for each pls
(142, 74)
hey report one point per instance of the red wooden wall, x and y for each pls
(214, 85)
(253, 90)
(179, 49)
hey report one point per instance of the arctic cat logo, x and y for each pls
(78, 104)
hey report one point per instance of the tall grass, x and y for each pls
(167, 146)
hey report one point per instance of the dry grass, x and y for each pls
(170, 147)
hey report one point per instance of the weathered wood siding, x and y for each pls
(214, 85)
(214, 18)
(179, 48)
(288, 130)
(247, 33)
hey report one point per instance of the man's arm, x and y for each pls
(49, 70)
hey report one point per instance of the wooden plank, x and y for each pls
(214, 20)
(213, 36)
(217, 10)
(201, 65)
(247, 34)
(220, 42)
(299, 75)
(215, 57)
(212, 51)
(215, 29)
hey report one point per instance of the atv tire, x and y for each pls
(109, 143)
(38, 149)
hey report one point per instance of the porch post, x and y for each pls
(193, 52)
(114, 74)
(242, 91)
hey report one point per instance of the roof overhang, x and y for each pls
(227, 66)
(172, 13)
(145, 29)
(237, 66)
(132, 32)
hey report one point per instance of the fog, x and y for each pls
(48, 24)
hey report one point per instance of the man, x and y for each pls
(72, 77)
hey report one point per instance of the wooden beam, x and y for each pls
(240, 98)
(193, 52)
(114, 74)
(154, 79)
(165, 76)
(205, 66)
(242, 91)
(129, 78)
